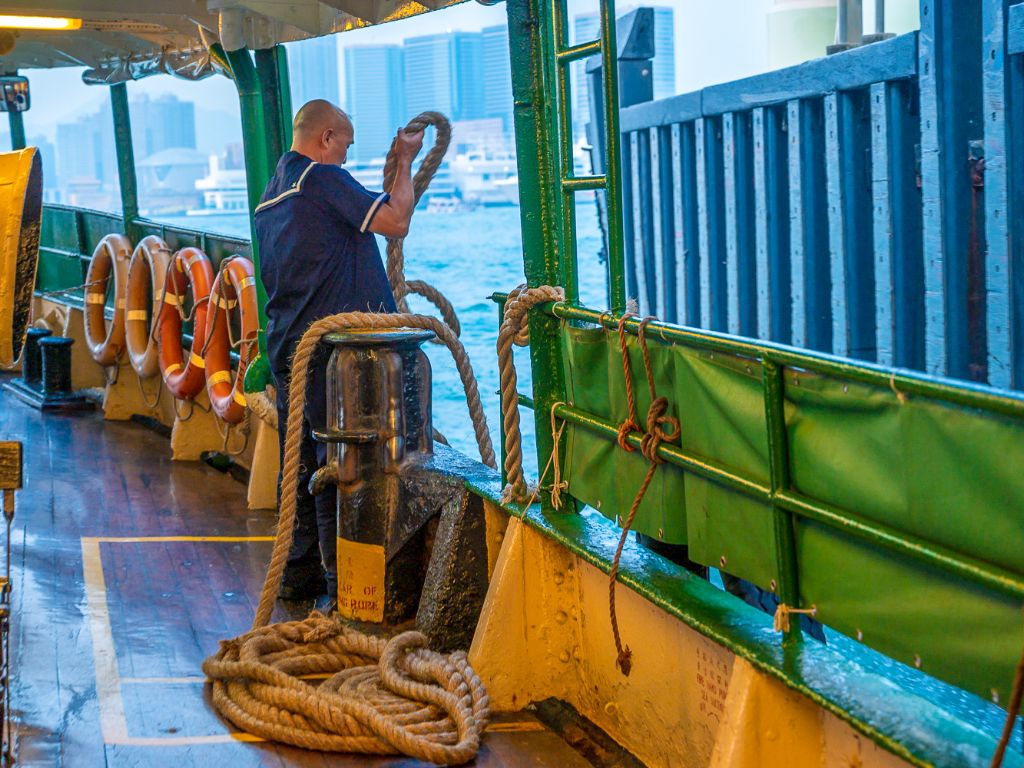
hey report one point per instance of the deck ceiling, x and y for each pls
(114, 30)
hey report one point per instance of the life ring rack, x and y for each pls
(235, 286)
(147, 271)
(111, 256)
(183, 377)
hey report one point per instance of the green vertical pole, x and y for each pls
(272, 70)
(125, 158)
(778, 460)
(255, 144)
(17, 122)
(540, 201)
(613, 162)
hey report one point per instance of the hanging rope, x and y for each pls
(655, 434)
(512, 328)
(1012, 711)
(263, 404)
(395, 246)
(374, 700)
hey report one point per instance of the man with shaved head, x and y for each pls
(318, 256)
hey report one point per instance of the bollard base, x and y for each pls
(65, 402)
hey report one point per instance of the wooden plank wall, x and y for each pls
(843, 205)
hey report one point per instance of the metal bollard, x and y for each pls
(379, 430)
(56, 354)
(32, 359)
(46, 374)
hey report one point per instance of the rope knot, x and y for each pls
(624, 661)
(624, 429)
(656, 434)
(780, 621)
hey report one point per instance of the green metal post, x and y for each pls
(255, 144)
(613, 163)
(540, 202)
(778, 458)
(125, 158)
(563, 116)
(272, 70)
(17, 123)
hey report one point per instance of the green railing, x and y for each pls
(765, 425)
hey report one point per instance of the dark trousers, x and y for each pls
(314, 539)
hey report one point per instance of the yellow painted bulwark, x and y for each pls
(545, 632)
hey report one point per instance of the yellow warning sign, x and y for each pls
(360, 580)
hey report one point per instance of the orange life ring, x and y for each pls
(106, 343)
(235, 285)
(184, 378)
(142, 302)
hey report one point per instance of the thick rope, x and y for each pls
(263, 404)
(1012, 711)
(395, 246)
(516, 308)
(382, 696)
(654, 436)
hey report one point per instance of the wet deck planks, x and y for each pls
(127, 570)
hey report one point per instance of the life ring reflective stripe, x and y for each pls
(235, 285)
(184, 378)
(21, 202)
(142, 303)
(111, 257)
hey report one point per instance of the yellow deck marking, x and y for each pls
(113, 721)
(524, 726)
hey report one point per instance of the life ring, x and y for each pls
(184, 378)
(21, 201)
(235, 285)
(142, 302)
(106, 342)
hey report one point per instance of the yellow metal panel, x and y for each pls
(21, 189)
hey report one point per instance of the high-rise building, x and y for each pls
(374, 98)
(313, 66)
(664, 69)
(497, 75)
(48, 156)
(162, 123)
(468, 82)
(429, 68)
(443, 73)
(587, 26)
(86, 161)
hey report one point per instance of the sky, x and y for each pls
(715, 42)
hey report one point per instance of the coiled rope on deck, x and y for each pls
(382, 696)
(395, 245)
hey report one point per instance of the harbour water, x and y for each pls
(469, 255)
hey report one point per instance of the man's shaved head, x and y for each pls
(322, 132)
(319, 115)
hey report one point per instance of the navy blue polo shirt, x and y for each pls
(317, 255)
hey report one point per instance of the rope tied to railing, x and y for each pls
(780, 620)
(653, 437)
(517, 307)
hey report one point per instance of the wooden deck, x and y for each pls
(128, 569)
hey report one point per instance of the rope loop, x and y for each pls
(520, 301)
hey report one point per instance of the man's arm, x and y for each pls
(392, 219)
